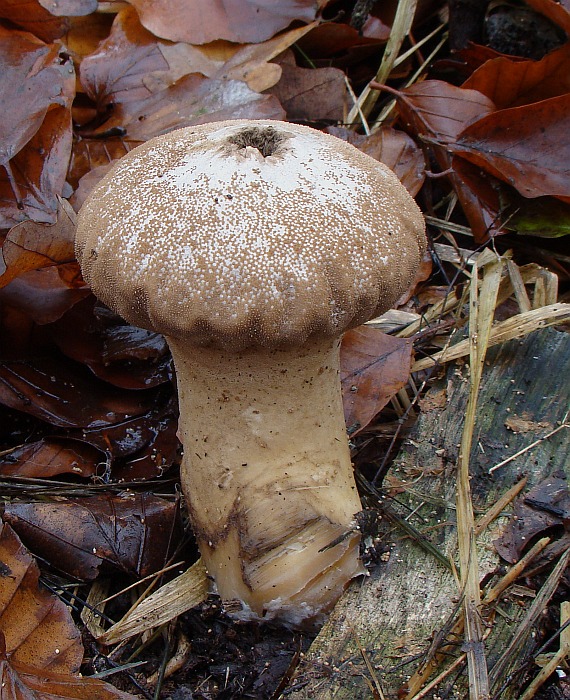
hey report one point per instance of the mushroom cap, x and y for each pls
(249, 234)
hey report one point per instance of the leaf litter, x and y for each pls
(485, 152)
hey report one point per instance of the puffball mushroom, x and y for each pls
(252, 246)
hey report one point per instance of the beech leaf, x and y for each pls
(512, 82)
(132, 533)
(240, 21)
(193, 100)
(40, 647)
(441, 110)
(526, 146)
(38, 83)
(32, 246)
(374, 367)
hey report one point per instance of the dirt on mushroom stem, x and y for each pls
(266, 449)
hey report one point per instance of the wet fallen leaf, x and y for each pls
(63, 393)
(122, 355)
(40, 647)
(312, 95)
(526, 146)
(38, 82)
(50, 457)
(134, 533)
(374, 367)
(240, 21)
(545, 506)
(193, 100)
(142, 448)
(32, 246)
(513, 82)
(33, 18)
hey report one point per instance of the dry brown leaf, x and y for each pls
(442, 111)
(116, 71)
(250, 62)
(32, 246)
(512, 82)
(527, 147)
(312, 94)
(240, 21)
(40, 647)
(193, 100)
(142, 64)
(224, 60)
(33, 18)
(374, 367)
(38, 84)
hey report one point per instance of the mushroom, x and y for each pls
(252, 246)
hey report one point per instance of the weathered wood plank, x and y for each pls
(394, 613)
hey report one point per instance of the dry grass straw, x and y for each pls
(482, 303)
(528, 623)
(557, 659)
(512, 328)
(174, 598)
(400, 29)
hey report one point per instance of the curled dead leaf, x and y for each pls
(40, 647)
(38, 82)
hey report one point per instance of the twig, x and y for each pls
(534, 612)
(499, 506)
(564, 424)
(379, 693)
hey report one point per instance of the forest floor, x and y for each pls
(468, 103)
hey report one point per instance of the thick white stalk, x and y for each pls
(267, 476)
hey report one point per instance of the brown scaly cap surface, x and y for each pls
(249, 234)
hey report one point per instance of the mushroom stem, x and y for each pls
(267, 476)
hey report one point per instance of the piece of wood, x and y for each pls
(379, 632)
